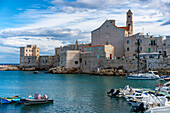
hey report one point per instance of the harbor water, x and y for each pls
(71, 92)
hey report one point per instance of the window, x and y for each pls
(153, 42)
(97, 56)
(26, 49)
(84, 49)
(128, 16)
(80, 60)
(110, 48)
(127, 49)
(76, 62)
(159, 51)
(128, 25)
(85, 62)
(99, 48)
(107, 25)
(149, 49)
(140, 41)
(140, 48)
(127, 41)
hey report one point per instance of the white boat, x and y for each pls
(164, 87)
(143, 76)
(164, 107)
(36, 100)
(26, 101)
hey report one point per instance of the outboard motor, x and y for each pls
(140, 108)
(111, 91)
(116, 93)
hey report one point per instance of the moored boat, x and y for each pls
(36, 100)
(26, 101)
(143, 76)
(36, 72)
(7, 100)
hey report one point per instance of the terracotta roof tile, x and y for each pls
(125, 28)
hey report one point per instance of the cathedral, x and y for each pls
(109, 33)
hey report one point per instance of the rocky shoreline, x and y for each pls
(63, 70)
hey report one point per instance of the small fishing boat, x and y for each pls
(7, 100)
(36, 72)
(36, 100)
(163, 87)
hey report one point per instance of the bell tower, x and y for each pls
(129, 22)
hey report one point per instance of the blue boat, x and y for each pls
(6, 101)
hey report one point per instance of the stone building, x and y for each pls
(92, 56)
(148, 44)
(29, 56)
(109, 33)
(168, 46)
(70, 59)
(45, 62)
(75, 46)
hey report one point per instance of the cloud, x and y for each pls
(45, 38)
(166, 23)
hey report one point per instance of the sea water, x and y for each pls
(72, 93)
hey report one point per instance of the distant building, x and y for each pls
(109, 33)
(29, 56)
(70, 59)
(75, 46)
(92, 56)
(168, 45)
(148, 44)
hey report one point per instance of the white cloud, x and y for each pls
(64, 22)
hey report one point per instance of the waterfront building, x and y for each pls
(110, 46)
(70, 59)
(109, 33)
(75, 46)
(29, 56)
(168, 46)
(147, 44)
(92, 56)
(45, 62)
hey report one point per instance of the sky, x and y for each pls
(54, 23)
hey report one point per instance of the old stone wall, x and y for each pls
(29, 61)
(45, 62)
(158, 63)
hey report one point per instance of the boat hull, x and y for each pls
(140, 78)
(36, 101)
(6, 101)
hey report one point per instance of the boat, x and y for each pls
(165, 78)
(163, 87)
(143, 76)
(164, 107)
(36, 72)
(36, 100)
(7, 100)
